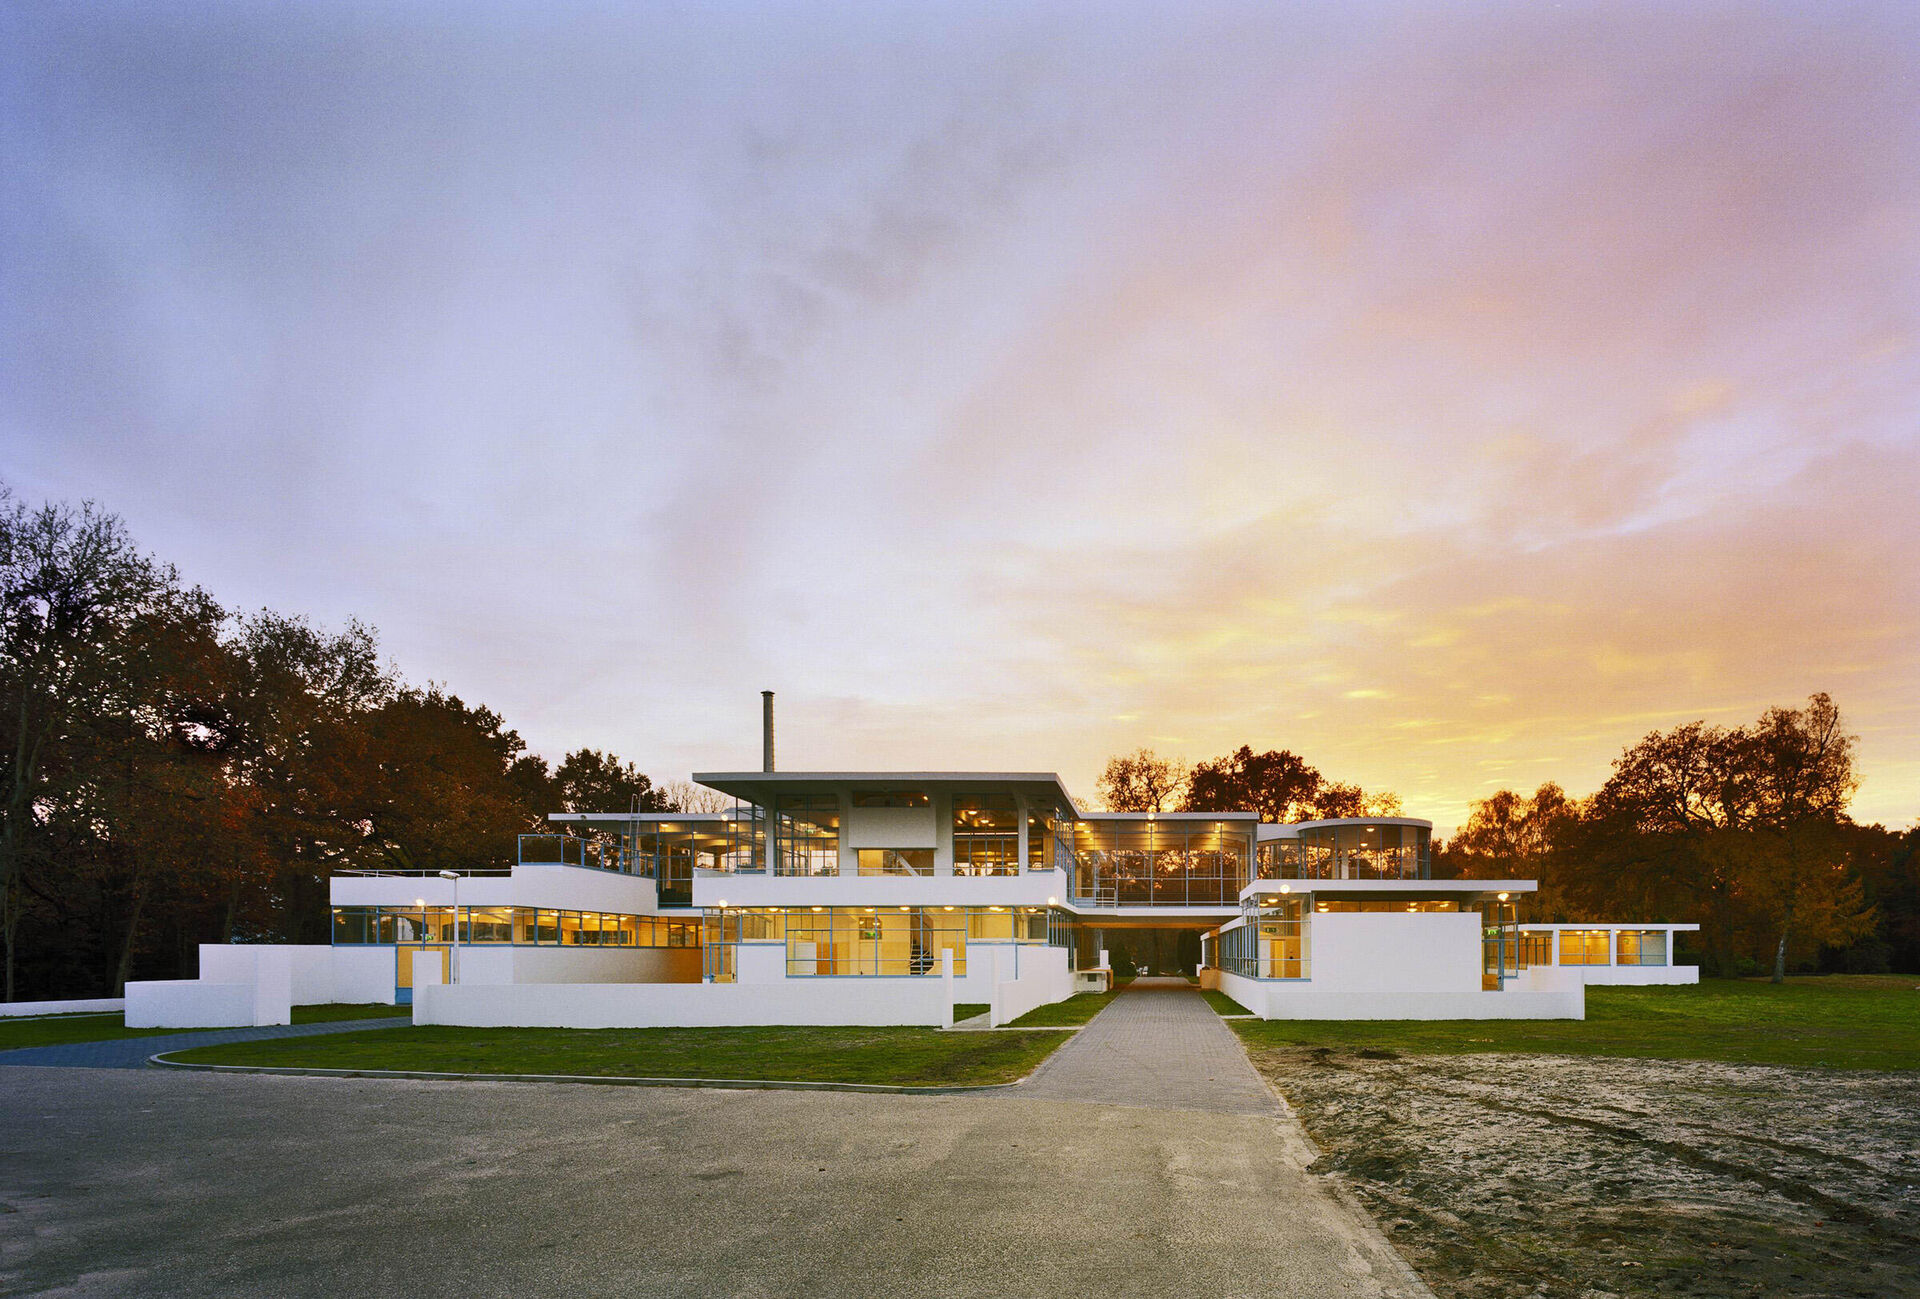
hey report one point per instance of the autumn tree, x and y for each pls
(1281, 787)
(1142, 781)
(588, 780)
(1510, 835)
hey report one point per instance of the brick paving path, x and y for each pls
(1157, 1045)
(132, 1052)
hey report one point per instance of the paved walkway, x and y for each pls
(132, 1052)
(1157, 1045)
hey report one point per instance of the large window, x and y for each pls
(808, 834)
(873, 941)
(1642, 947)
(525, 926)
(1364, 851)
(986, 835)
(1161, 863)
(896, 861)
(1583, 947)
(1049, 840)
(1271, 944)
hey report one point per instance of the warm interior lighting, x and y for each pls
(946, 908)
(1503, 897)
(819, 908)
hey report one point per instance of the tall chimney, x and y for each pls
(766, 730)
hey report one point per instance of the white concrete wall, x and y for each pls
(320, 973)
(869, 1001)
(562, 888)
(1044, 978)
(86, 1005)
(1030, 889)
(1370, 965)
(890, 827)
(189, 1003)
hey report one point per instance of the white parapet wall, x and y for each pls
(249, 985)
(189, 1003)
(320, 973)
(1414, 966)
(1043, 978)
(823, 1001)
(84, 1006)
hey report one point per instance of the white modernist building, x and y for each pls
(890, 897)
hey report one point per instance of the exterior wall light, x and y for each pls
(1503, 897)
(1052, 902)
(1286, 888)
(723, 904)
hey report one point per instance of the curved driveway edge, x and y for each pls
(137, 1052)
(603, 1080)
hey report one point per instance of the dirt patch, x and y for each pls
(1515, 1176)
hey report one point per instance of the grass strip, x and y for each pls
(921, 1057)
(1077, 1009)
(1825, 1021)
(968, 1009)
(62, 1030)
(333, 1012)
(1221, 1002)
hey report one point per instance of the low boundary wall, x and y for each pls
(85, 1006)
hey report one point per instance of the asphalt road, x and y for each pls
(150, 1182)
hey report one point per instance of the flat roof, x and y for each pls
(761, 786)
(1364, 888)
(1169, 816)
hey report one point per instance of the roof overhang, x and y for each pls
(763, 787)
(1390, 888)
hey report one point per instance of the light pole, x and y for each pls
(455, 877)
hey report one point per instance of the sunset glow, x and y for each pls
(1450, 402)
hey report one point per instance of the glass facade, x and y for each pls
(526, 926)
(1272, 944)
(1161, 863)
(1361, 851)
(807, 835)
(1049, 841)
(834, 942)
(986, 835)
(871, 941)
(896, 861)
(1641, 947)
(1583, 947)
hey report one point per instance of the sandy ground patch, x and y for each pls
(1514, 1176)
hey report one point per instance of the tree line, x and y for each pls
(1744, 829)
(175, 772)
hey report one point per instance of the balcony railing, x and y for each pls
(569, 850)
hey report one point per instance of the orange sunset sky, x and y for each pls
(1451, 394)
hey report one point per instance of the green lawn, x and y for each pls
(1865, 1021)
(1221, 1002)
(968, 1009)
(902, 1056)
(1077, 1009)
(331, 1012)
(58, 1030)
